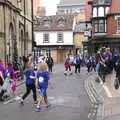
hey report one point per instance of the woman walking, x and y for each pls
(30, 83)
(42, 85)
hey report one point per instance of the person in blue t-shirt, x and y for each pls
(43, 77)
(30, 83)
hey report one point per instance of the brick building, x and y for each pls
(113, 24)
(99, 36)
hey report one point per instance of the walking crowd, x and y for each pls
(104, 62)
(36, 76)
(36, 72)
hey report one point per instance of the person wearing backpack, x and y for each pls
(77, 63)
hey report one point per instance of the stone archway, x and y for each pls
(11, 44)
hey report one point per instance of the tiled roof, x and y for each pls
(71, 1)
(115, 7)
(54, 23)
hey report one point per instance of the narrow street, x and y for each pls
(68, 98)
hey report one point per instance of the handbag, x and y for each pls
(116, 83)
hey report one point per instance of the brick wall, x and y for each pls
(111, 25)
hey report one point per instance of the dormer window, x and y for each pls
(100, 1)
(61, 21)
(95, 12)
(47, 21)
(100, 12)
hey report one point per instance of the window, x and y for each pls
(95, 26)
(101, 26)
(61, 21)
(60, 37)
(47, 21)
(94, 12)
(118, 24)
(106, 10)
(61, 11)
(101, 12)
(45, 38)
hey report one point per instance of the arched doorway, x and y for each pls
(10, 43)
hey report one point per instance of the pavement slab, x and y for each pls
(110, 98)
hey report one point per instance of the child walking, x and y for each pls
(42, 85)
(30, 83)
(7, 86)
(9, 69)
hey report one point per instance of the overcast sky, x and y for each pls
(50, 6)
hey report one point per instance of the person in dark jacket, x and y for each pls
(77, 63)
(50, 63)
(30, 83)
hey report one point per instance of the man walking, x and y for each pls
(50, 63)
(77, 63)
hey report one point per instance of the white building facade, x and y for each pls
(55, 38)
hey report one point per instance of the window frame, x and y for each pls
(118, 24)
(45, 35)
(59, 35)
(98, 25)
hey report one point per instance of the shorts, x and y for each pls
(42, 92)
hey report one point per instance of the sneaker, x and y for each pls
(48, 105)
(35, 102)
(37, 108)
(21, 102)
(1, 99)
(65, 74)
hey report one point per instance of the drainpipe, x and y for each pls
(24, 29)
(32, 24)
(4, 35)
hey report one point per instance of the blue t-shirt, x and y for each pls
(28, 73)
(43, 78)
(9, 72)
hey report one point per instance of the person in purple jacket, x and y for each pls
(30, 83)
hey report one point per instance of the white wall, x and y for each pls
(67, 38)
